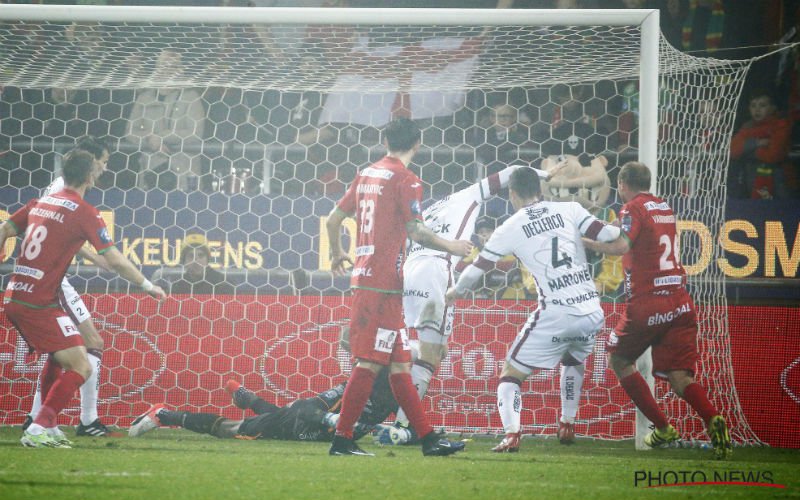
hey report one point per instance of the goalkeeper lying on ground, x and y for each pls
(311, 419)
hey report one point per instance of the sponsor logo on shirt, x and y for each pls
(16, 286)
(668, 280)
(384, 340)
(102, 233)
(377, 173)
(362, 271)
(416, 293)
(68, 328)
(29, 271)
(59, 202)
(661, 318)
(365, 250)
(626, 223)
(577, 338)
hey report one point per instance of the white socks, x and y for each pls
(509, 404)
(89, 391)
(571, 385)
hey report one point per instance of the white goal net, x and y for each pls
(238, 129)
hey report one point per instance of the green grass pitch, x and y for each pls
(177, 464)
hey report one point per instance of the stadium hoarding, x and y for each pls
(757, 240)
(182, 352)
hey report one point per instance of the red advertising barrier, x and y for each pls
(182, 351)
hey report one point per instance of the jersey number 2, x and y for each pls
(670, 255)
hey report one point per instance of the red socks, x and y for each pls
(355, 397)
(406, 395)
(638, 390)
(59, 395)
(50, 373)
(696, 396)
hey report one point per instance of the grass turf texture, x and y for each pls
(171, 463)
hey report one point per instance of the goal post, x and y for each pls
(245, 69)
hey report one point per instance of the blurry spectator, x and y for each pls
(573, 131)
(761, 149)
(703, 26)
(673, 13)
(198, 276)
(515, 288)
(628, 128)
(167, 126)
(498, 138)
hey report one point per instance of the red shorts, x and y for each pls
(377, 330)
(45, 330)
(667, 323)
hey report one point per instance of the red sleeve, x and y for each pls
(348, 203)
(95, 229)
(19, 219)
(409, 194)
(738, 140)
(779, 138)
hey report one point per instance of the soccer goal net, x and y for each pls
(234, 131)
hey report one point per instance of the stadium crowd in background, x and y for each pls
(160, 132)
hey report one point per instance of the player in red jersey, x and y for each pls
(660, 312)
(55, 227)
(385, 200)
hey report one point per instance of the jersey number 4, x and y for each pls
(565, 259)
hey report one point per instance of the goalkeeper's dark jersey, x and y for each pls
(303, 419)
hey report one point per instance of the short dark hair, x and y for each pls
(762, 92)
(525, 182)
(77, 167)
(95, 145)
(635, 175)
(401, 134)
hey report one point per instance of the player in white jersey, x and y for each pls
(428, 273)
(546, 238)
(90, 424)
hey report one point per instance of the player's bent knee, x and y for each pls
(91, 337)
(620, 366)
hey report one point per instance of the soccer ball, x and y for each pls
(389, 435)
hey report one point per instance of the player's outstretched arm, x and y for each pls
(427, 238)
(127, 270)
(617, 247)
(96, 259)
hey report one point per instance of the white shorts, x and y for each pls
(549, 334)
(73, 303)
(425, 282)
